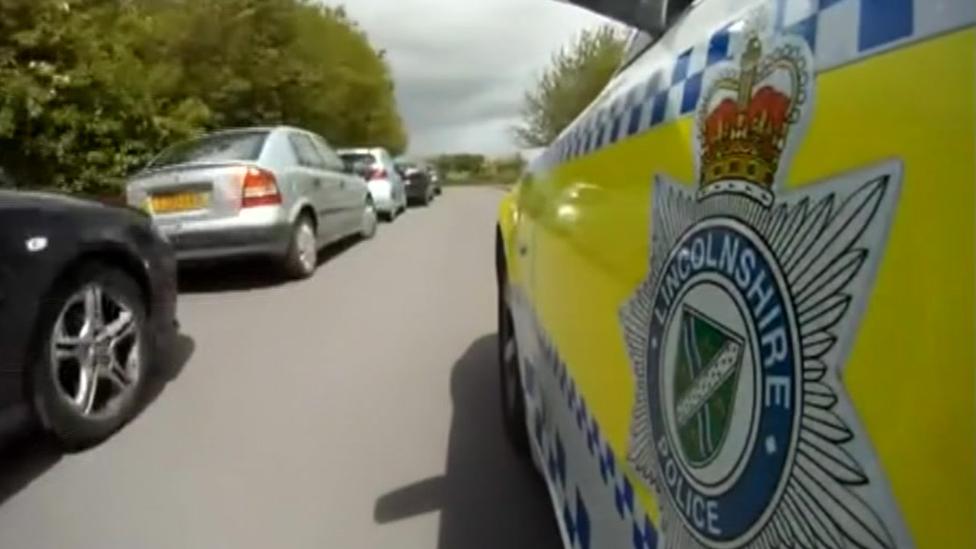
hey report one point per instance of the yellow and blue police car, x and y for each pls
(737, 294)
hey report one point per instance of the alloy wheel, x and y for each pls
(95, 352)
(369, 220)
(305, 242)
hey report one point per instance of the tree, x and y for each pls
(285, 61)
(575, 76)
(463, 163)
(506, 169)
(77, 108)
(91, 89)
(476, 168)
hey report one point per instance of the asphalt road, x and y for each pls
(357, 409)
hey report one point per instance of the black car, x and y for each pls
(420, 187)
(87, 313)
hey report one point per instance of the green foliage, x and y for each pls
(476, 168)
(506, 169)
(575, 76)
(465, 163)
(91, 89)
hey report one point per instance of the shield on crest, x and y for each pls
(709, 359)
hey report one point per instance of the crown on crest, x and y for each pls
(744, 121)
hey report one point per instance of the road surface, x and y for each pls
(357, 409)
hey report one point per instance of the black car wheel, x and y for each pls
(90, 356)
(512, 399)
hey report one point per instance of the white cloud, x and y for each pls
(461, 67)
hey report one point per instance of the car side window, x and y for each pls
(332, 160)
(306, 152)
(675, 8)
(638, 42)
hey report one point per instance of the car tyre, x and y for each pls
(90, 357)
(302, 257)
(512, 397)
(368, 229)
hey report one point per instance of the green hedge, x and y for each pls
(92, 89)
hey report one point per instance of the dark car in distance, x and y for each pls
(435, 178)
(420, 186)
(87, 314)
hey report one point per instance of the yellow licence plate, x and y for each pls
(177, 202)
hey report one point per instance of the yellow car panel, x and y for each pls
(901, 469)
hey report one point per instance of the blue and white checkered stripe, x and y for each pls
(603, 472)
(838, 31)
(643, 533)
(567, 495)
(842, 31)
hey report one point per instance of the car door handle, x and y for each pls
(317, 183)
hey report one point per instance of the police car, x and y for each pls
(736, 295)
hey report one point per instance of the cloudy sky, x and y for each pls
(461, 66)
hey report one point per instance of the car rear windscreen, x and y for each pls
(218, 147)
(366, 159)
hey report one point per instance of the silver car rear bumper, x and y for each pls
(260, 231)
(384, 196)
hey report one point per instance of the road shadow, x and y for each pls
(489, 498)
(235, 275)
(183, 350)
(26, 453)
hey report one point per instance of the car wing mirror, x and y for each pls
(649, 16)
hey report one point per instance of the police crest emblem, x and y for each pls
(740, 331)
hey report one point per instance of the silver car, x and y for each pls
(279, 192)
(386, 185)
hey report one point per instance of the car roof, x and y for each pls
(44, 199)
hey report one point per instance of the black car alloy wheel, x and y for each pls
(91, 356)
